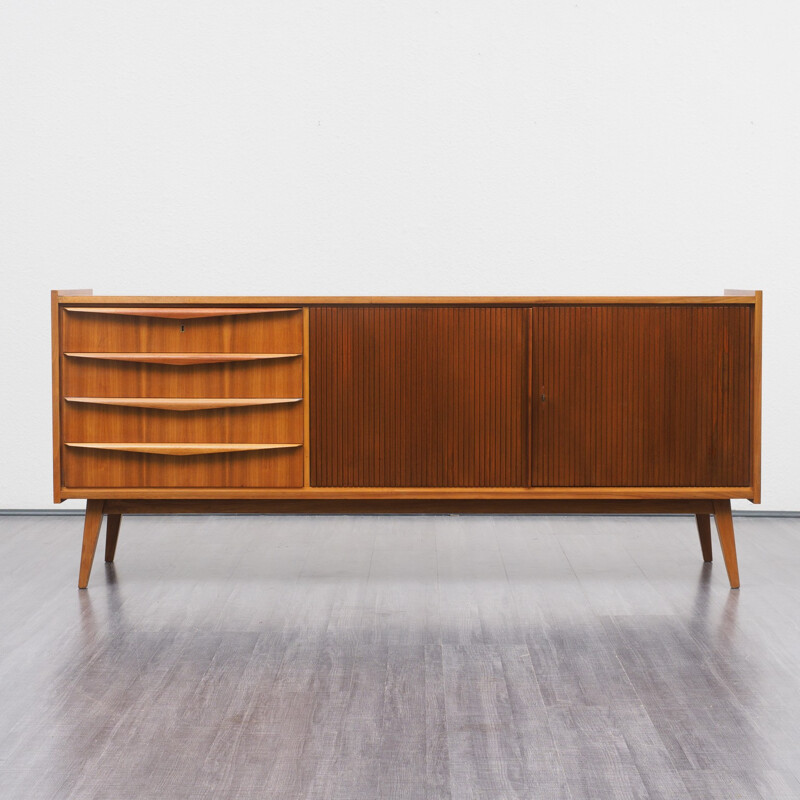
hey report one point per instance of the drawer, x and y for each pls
(87, 468)
(94, 329)
(100, 377)
(122, 420)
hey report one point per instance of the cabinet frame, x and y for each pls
(700, 500)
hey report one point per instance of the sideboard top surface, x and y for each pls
(88, 299)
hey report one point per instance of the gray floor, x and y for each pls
(416, 657)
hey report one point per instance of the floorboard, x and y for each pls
(364, 658)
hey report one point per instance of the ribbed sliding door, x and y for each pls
(418, 396)
(641, 395)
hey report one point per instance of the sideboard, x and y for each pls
(406, 404)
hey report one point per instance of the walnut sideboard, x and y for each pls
(407, 404)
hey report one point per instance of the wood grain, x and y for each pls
(346, 505)
(91, 533)
(724, 522)
(704, 532)
(182, 359)
(254, 424)
(425, 405)
(113, 522)
(642, 396)
(184, 312)
(276, 378)
(306, 395)
(90, 470)
(242, 333)
(184, 404)
(171, 449)
(55, 368)
(408, 300)
(427, 493)
(418, 397)
(756, 407)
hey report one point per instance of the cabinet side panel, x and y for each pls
(413, 396)
(56, 394)
(641, 395)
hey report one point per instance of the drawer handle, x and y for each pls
(189, 449)
(178, 313)
(183, 403)
(183, 359)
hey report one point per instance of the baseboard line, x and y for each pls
(74, 512)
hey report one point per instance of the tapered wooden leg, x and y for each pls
(112, 534)
(91, 533)
(724, 521)
(704, 531)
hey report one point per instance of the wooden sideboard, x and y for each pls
(407, 404)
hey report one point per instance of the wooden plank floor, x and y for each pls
(399, 657)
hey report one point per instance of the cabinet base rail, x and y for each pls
(703, 510)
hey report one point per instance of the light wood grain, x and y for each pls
(704, 532)
(306, 404)
(185, 359)
(209, 333)
(273, 378)
(724, 522)
(421, 493)
(410, 300)
(269, 423)
(179, 468)
(184, 404)
(174, 313)
(171, 449)
(55, 367)
(113, 522)
(91, 533)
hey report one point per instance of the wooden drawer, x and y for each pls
(181, 330)
(121, 420)
(87, 468)
(99, 377)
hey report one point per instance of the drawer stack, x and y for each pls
(187, 397)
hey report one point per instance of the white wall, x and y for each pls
(300, 147)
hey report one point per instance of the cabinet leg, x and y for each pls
(703, 530)
(724, 522)
(112, 534)
(91, 533)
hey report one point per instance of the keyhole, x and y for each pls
(182, 329)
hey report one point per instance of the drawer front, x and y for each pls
(90, 377)
(272, 423)
(85, 468)
(93, 330)
(184, 398)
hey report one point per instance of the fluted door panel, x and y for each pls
(641, 395)
(418, 396)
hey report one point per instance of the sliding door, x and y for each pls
(651, 395)
(418, 396)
